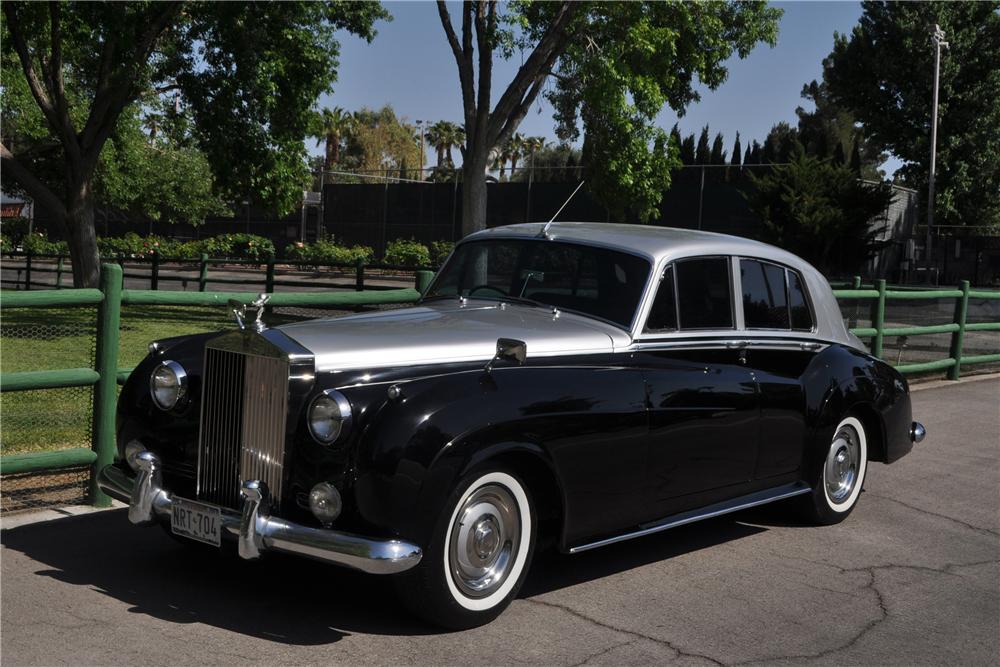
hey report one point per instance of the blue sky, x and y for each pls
(410, 66)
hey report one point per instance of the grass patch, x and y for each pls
(33, 339)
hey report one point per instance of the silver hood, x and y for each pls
(445, 332)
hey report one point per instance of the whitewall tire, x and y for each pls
(842, 477)
(480, 553)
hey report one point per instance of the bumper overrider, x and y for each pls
(253, 528)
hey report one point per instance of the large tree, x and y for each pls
(819, 210)
(249, 71)
(883, 73)
(614, 65)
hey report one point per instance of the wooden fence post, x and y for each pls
(154, 272)
(269, 276)
(106, 389)
(59, 272)
(359, 274)
(879, 320)
(958, 337)
(203, 273)
(27, 270)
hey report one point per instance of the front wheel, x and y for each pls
(479, 553)
(836, 491)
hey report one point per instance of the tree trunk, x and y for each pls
(83, 243)
(474, 194)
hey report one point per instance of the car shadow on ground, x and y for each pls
(283, 598)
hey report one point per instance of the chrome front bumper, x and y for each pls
(254, 529)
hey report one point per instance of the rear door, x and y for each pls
(776, 315)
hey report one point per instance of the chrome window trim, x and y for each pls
(788, 304)
(649, 260)
(647, 302)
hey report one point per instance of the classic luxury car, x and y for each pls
(574, 382)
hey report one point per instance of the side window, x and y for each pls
(663, 315)
(765, 304)
(801, 317)
(704, 297)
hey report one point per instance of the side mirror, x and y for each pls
(510, 350)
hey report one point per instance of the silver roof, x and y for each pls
(662, 245)
(655, 243)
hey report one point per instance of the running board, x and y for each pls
(718, 509)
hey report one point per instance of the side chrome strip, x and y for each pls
(798, 344)
(718, 509)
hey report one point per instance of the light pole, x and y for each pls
(938, 37)
(420, 126)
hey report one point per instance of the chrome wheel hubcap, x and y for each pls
(841, 472)
(484, 540)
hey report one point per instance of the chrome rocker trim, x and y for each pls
(255, 530)
(709, 512)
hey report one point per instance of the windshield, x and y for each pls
(599, 282)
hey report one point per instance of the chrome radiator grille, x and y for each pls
(243, 412)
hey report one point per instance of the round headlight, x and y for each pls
(329, 416)
(168, 384)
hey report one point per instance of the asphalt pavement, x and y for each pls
(911, 577)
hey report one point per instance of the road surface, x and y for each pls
(912, 577)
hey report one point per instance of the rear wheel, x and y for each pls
(836, 492)
(479, 553)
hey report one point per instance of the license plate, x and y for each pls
(196, 521)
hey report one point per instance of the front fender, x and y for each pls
(422, 444)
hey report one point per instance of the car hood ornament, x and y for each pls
(248, 315)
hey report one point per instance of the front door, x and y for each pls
(702, 400)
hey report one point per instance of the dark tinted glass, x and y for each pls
(801, 317)
(704, 296)
(764, 303)
(663, 316)
(594, 281)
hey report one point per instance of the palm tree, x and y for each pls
(515, 150)
(443, 136)
(331, 127)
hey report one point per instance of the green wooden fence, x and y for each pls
(200, 269)
(957, 327)
(111, 297)
(106, 375)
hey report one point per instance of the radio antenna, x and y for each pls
(545, 230)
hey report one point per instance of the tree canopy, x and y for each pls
(883, 73)
(614, 67)
(249, 73)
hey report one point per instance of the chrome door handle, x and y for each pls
(811, 347)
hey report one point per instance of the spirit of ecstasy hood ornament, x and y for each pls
(248, 314)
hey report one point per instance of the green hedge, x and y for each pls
(402, 252)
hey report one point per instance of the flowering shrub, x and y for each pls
(404, 252)
(38, 244)
(328, 252)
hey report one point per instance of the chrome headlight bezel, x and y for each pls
(337, 411)
(180, 385)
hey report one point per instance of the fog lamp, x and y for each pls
(132, 450)
(325, 503)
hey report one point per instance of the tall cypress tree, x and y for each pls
(703, 154)
(687, 150)
(734, 164)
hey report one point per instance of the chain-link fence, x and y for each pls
(37, 339)
(900, 350)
